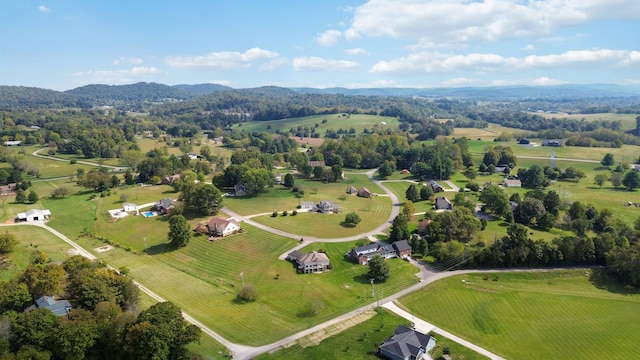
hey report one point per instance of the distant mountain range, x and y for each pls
(14, 97)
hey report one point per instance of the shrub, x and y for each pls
(294, 213)
(284, 213)
(274, 214)
(248, 293)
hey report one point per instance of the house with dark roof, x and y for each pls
(312, 262)
(222, 227)
(363, 254)
(163, 206)
(552, 142)
(442, 203)
(402, 248)
(58, 307)
(317, 163)
(168, 180)
(327, 207)
(240, 190)
(364, 192)
(407, 344)
(435, 186)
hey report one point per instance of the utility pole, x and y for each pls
(372, 292)
(145, 243)
(242, 278)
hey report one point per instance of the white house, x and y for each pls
(129, 207)
(34, 215)
(222, 227)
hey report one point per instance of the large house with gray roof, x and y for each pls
(362, 255)
(407, 344)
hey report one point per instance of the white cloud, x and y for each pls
(225, 60)
(126, 60)
(357, 51)
(528, 47)
(430, 62)
(43, 8)
(462, 21)
(118, 76)
(459, 81)
(320, 64)
(328, 38)
(220, 82)
(543, 81)
(273, 64)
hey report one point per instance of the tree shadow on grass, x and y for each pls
(362, 279)
(159, 249)
(346, 225)
(602, 280)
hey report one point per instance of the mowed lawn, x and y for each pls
(31, 239)
(333, 122)
(362, 340)
(204, 278)
(373, 212)
(534, 315)
(280, 198)
(78, 213)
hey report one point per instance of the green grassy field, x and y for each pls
(487, 134)
(279, 198)
(628, 120)
(361, 342)
(628, 153)
(204, 278)
(532, 315)
(334, 122)
(31, 239)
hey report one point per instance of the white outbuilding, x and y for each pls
(34, 215)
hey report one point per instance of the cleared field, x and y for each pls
(31, 239)
(78, 213)
(373, 212)
(559, 314)
(487, 134)
(279, 198)
(628, 153)
(333, 122)
(362, 340)
(628, 120)
(204, 277)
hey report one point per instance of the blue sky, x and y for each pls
(62, 44)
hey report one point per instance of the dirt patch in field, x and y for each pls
(73, 252)
(315, 338)
(104, 248)
(308, 140)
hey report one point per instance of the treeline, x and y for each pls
(102, 323)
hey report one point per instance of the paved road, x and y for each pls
(557, 158)
(395, 210)
(234, 348)
(37, 154)
(425, 327)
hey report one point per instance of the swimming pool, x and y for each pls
(149, 213)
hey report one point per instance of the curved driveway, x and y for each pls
(395, 210)
(37, 154)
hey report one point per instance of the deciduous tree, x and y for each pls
(378, 269)
(352, 219)
(179, 231)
